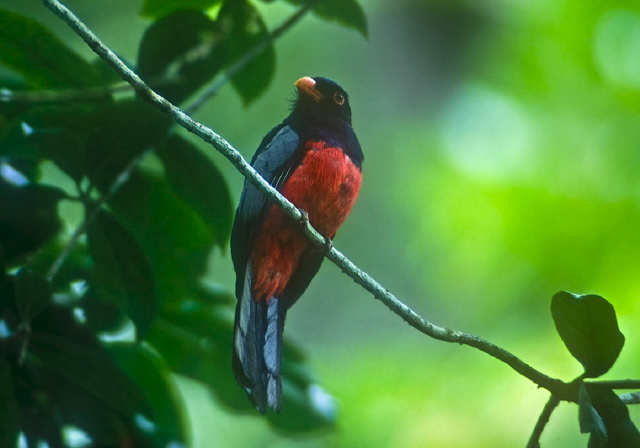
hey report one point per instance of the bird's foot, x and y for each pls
(304, 218)
(328, 244)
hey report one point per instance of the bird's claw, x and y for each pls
(304, 217)
(328, 244)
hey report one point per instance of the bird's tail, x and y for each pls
(257, 348)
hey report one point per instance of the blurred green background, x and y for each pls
(502, 144)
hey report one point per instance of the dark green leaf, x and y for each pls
(77, 265)
(33, 51)
(28, 218)
(179, 53)
(122, 269)
(159, 8)
(152, 376)
(55, 132)
(123, 131)
(612, 414)
(65, 363)
(9, 410)
(347, 13)
(195, 178)
(195, 339)
(32, 293)
(101, 311)
(588, 327)
(174, 238)
(590, 421)
(246, 30)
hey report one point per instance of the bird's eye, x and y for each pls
(338, 98)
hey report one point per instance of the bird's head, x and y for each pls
(322, 96)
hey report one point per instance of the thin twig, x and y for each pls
(118, 182)
(559, 388)
(249, 56)
(61, 95)
(619, 384)
(543, 419)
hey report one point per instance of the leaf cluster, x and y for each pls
(93, 330)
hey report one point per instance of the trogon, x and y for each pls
(314, 159)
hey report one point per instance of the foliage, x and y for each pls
(92, 330)
(94, 344)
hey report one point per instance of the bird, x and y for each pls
(314, 159)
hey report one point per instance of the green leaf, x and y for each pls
(195, 339)
(55, 132)
(9, 410)
(179, 53)
(347, 13)
(590, 421)
(588, 327)
(153, 378)
(610, 426)
(32, 293)
(28, 218)
(45, 62)
(173, 236)
(246, 30)
(197, 181)
(123, 131)
(159, 8)
(122, 270)
(70, 365)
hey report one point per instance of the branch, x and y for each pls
(619, 384)
(60, 95)
(119, 181)
(543, 419)
(562, 390)
(630, 398)
(249, 56)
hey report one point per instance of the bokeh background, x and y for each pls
(502, 144)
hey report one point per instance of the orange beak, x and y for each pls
(307, 86)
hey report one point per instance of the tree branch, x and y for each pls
(543, 419)
(249, 56)
(562, 390)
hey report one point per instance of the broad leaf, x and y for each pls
(32, 294)
(173, 236)
(246, 30)
(89, 369)
(153, 378)
(347, 13)
(122, 270)
(123, 131)
(610, 425)
(588, 327)
(46, 62)
(195, 178)
(179, 53)
(9, 410)
(28, 218)
(590, 421)
(159, 8)
(55, 132)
